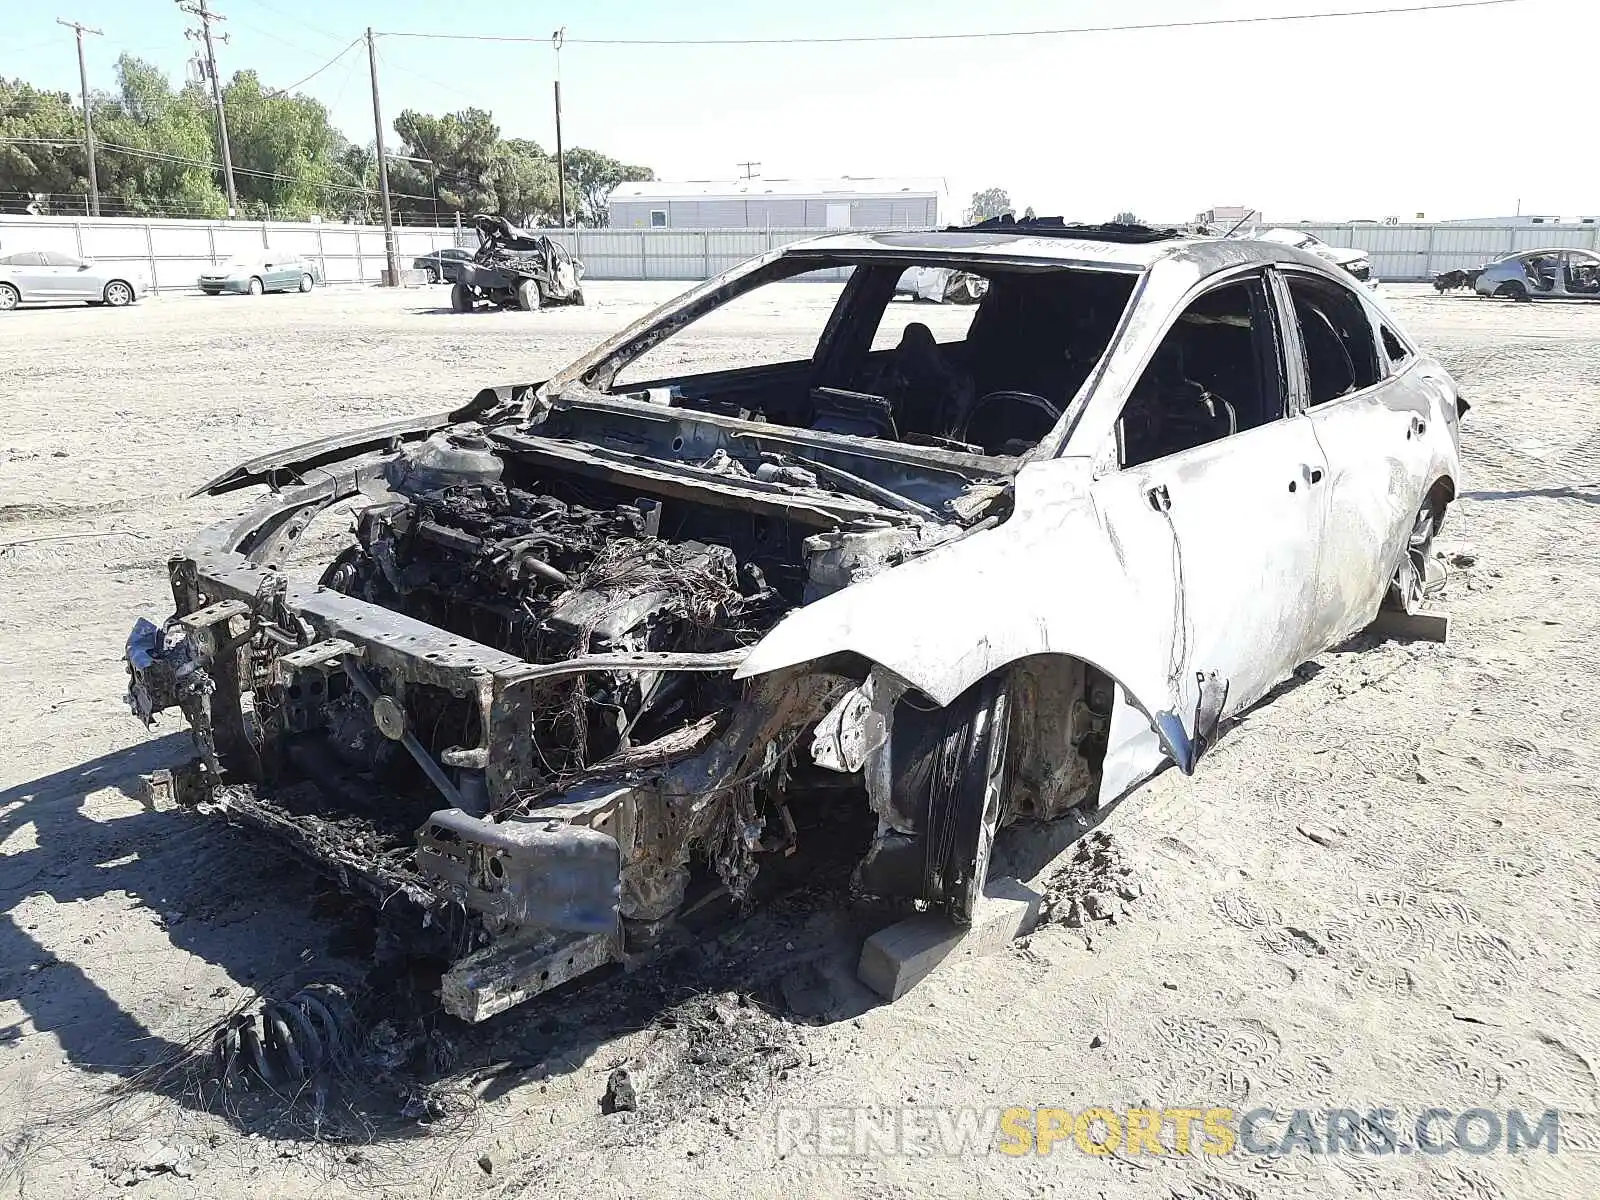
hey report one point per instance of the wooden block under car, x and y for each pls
(1425, 626)
(896, 959)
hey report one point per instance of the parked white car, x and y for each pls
(53, 277)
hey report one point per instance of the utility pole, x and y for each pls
(203, 34)
(556, 39)
(390, 251)
(88, 120)
(749, 168)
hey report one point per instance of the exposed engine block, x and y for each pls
(548, 581)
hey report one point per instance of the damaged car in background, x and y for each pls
(1357, 262)
(514, 268)
(607, 645)
(941, 285)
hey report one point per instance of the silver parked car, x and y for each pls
(1562, 273)
(611, 644)
(52, 277)
(270, 272)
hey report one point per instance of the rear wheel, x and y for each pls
(1512, 291)
(256, 286)
(577, 297)
(460, 298)
(528, 298)
(9, 297)
(118, 294)
(306, 282)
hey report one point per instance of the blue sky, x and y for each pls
(1452, 114)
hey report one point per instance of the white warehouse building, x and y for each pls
(847, 203)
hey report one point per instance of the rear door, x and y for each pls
(1372, 414)
(25, 268)
(38, 278)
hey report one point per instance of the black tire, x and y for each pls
(1513, 291)
(950, 769)
(9, 297)
(460, 298)
(256, 286)
(118, 293)
(577, 297)
(307, 282)
(528, 297)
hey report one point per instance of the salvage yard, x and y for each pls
(1379, 891)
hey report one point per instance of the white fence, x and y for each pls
(173, 253)
(1417, 252)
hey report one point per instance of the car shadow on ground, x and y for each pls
(211, 892)
(783, 962)
(1587, 495)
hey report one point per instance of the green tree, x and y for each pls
(991, 202)
(30, 169)
(524, 181)
(158, 142)
(157, 156)
(592, 177)
(464, 149)
(285, 153)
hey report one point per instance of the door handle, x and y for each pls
(1418, 427)
(1159, 498)
(1312, 476)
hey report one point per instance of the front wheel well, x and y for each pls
(1440, 496)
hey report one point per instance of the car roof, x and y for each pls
(1522, 254)
(1086, 246)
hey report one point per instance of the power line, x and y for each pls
(284, 91)
(282, 41)
(301, 21)
(1203, 23)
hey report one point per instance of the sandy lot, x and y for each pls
(1378, 892)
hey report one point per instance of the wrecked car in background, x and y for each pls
(515, 268)
(941, 285)
(1348, 258)
(600, 644)
(1562, 273)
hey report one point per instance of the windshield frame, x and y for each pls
(596, 372)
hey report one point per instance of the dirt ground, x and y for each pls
(1378, 891)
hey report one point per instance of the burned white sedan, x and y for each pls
(601, 647)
